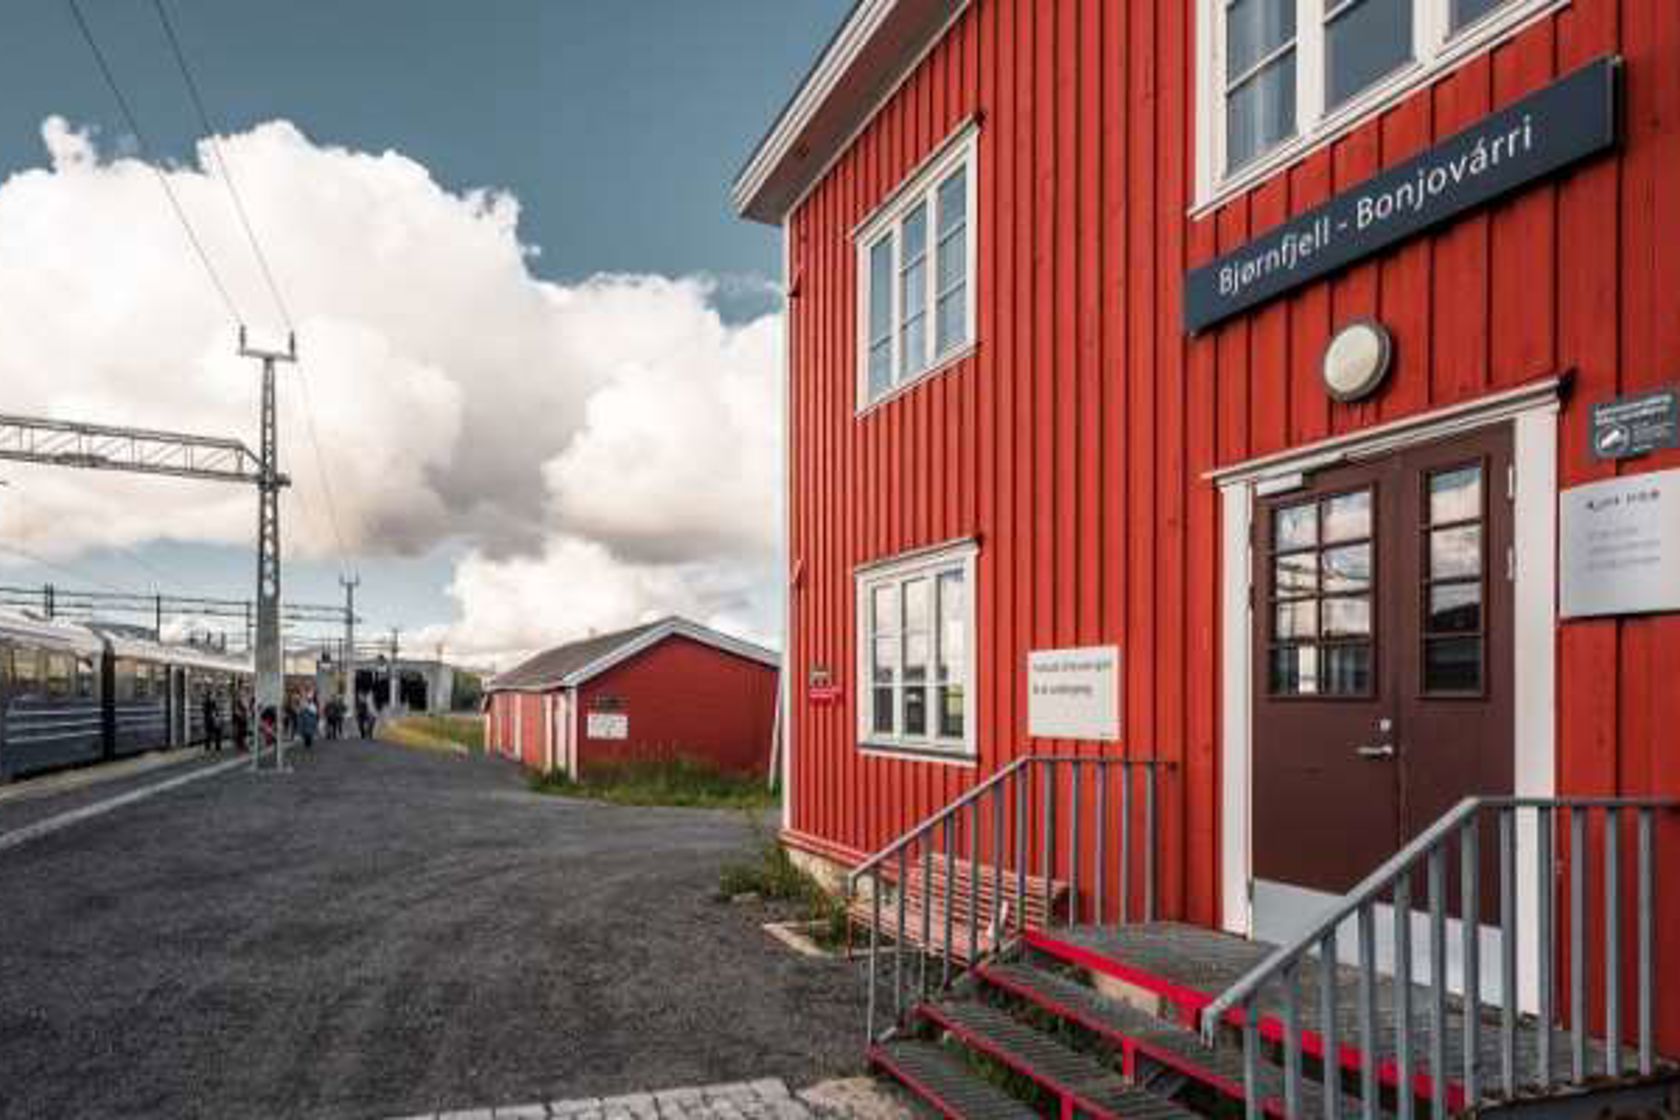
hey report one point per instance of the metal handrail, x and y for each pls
(918, 831)
(1421, 1013)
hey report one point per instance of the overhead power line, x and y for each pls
(221, 162)
(145, 155)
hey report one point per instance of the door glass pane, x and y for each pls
(915, 711)
(1347, 517)
(1365, 40)
(1455, 607)
(1452, 665)
(1347, 669)
(1295, 670)
(1455, 495)
(1260, 112)
(1466, 12)
(1296, 527)
(1347, 568)
(951, 711)
(1455, 553)
(1296, 575)
(1297, 619)
(1347, 618)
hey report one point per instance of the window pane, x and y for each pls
(883, 701)
(1455, 495)
(1297, 620)
(1295, 527)
(916, 650)
(1347, 517)
(913, 290)
(1295, 670)
(1260, 112)
(1347, 568)
(953, 618)
(1347, 618)
(917, 608)
(951, 711)
(886, 609)
(1296, 575)
(880, 317)
(1254, 29)
(1452, 665)
(1347, 670)
(915, 711)
(886, 660)
(951, 316)
(953, 202)
(1364, 41)
(1455, 607)
(1466, 12)
(1455, 552)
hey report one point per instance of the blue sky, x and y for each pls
(618, 127)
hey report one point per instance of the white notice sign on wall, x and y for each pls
(1619, 546)
(1074, 693)
(608, 725)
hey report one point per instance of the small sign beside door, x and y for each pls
(1636, 424)
(1619, 546)
(608, 725)
(1074, 693)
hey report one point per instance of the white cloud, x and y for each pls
(606, 450)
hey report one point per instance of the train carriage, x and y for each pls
(51, 695)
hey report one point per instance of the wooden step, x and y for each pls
(945, 1082)
(1077, 1079)
(1138, 1032)
(1192, 965)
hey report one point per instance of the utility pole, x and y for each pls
(391, 676)
(269, 663)
(348, 693)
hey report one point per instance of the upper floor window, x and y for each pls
(916, 647)
(1279, 76)
(916, 274)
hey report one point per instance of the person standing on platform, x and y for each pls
(212, 724)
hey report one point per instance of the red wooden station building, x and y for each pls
(664, 690)
(1233, 478)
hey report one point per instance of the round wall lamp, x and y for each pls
(1357, 360)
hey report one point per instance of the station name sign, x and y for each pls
(1545, 132)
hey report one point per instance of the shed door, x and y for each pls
(1382, 633)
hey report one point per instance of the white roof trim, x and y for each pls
(865, 19)
(676, 627)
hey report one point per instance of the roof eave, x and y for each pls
(878, 44)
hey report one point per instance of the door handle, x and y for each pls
(1386, 750)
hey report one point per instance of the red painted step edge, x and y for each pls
(1271, 1027)
(879, 1056)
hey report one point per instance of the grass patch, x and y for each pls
(679, 781)
(454, 734)
(770, 873)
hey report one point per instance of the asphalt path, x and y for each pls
(384, 932)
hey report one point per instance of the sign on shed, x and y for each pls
(1620, 546)
(1074, 693)
(608, 725)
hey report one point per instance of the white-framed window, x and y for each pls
(916, 274)
(916, 644)
(1280, 77)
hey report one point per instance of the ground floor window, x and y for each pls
(915, 634)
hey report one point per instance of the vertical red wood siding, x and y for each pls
(1073, 443)
(685, 699)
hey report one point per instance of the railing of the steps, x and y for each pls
(1580, 860)
(1047, 838)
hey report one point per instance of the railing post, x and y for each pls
(1150, 840)
(1508, 949)
(973, 882)
(997, 867)
(1125, 842)
(949, 892)
(1544, 881)
(1438, 981)
(1405, 1095)
(927, 908)
(1612, 942)
(1291, 1040)
(874, 943)
(898, 940)
(1470, 902)
(1048, 826)
(1578, 856)
(1328, 1028)
(1102, 838)
(1021, 784)
(1251, 1059)
(1647, 917)
(1073, 843)
(1370, 1093)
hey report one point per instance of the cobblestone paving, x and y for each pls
(765, 1099)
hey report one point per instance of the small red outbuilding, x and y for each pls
(666, 689)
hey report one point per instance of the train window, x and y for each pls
(26, 671)
(61, 675)
(124, 678)
(5, 666)
(86, 678)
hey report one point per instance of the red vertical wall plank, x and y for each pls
(1522, 310)
(1460, 311)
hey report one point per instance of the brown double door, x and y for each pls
(1383, 655)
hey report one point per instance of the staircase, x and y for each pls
(1111, 1013)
